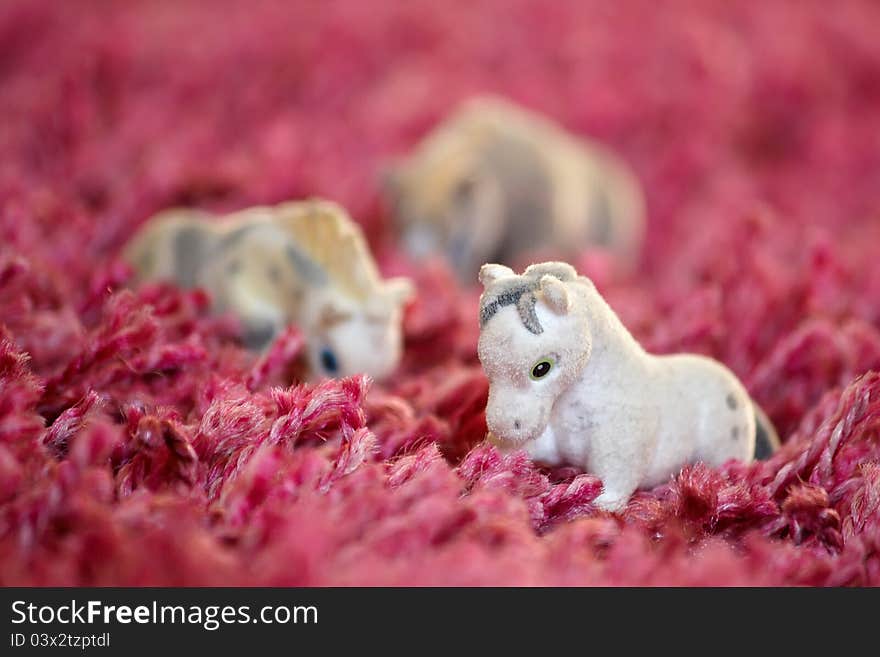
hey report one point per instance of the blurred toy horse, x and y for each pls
(497, 181)
(300, 262)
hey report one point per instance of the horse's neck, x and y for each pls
(615, 352)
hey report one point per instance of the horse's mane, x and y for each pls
(325, 234)
(521, 291)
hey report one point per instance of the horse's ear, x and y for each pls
(555, 294)
(561, 270)
(399, 290)
(490, 273)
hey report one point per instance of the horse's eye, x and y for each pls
(328, 361)
(541, 369)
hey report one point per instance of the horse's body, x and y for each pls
(605, 404)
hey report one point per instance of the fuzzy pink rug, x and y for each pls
(140, 445)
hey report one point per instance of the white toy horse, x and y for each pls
(569, 384)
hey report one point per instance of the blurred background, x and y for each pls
(112, 110)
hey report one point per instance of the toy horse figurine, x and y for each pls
(569, 384)
(495, 181)
(304, 262)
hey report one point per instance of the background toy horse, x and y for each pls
(300, 262)
(495, 181)
(569, 384)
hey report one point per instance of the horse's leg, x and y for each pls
(620, 458)
(616, 493)
(544, 448)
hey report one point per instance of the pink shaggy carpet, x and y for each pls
(139, 444)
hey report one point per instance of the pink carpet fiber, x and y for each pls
(140, 445)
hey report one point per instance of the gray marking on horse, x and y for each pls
(523, 297)
(305, 266)
(521, 292)
(231, 239)
(766, 439)
(189, 248)
(256, 336)
(731, 402)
